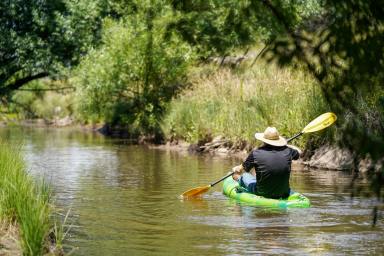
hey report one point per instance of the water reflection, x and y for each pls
(124, 201)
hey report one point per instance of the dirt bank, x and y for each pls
(325, 157)
(9, 239)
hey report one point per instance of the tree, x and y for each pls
(38, 38)
(130, 79)
(216, 27)
(343, 50)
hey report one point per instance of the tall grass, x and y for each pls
(238, 103)
(23, 200)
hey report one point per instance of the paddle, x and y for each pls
(319, 123)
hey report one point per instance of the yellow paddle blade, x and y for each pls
(195, 191)
(321, 122)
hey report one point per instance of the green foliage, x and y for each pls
(36, 103)
(239, 104)
(344, 53)
(39, 37)
(23, 200)
(132, 77)
(216, 27)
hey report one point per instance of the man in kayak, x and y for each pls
(267, 168)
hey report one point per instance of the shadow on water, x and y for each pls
(124, 201)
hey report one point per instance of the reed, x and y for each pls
(23, 201)
(237, 103)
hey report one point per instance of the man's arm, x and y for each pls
(245, 166)
(296, 156)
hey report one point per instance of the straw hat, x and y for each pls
(271, 136)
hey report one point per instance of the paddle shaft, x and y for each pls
(231, 173)
(226, 176)
(294, 137)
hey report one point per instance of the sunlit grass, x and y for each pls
(239, 103)
(23, 200)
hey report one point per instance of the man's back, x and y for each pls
(273, 167)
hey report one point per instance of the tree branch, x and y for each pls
(20, 82)
(260, 53)
(46, 89)
(296, 39)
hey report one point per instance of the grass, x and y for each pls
(24, 201)
(238, 103)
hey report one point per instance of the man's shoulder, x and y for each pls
(258, 150)
(275, 150)
(271, 148)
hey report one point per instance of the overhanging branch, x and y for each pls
(46, 89)
(20, 82)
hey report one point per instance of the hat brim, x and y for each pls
(278, 143)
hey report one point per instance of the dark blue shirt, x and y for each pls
(273, 168)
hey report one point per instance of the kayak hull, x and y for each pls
(295, 199)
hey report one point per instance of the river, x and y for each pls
(122, 199)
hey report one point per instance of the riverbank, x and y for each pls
(9, 239)
(326, 156)
(238, 103)
(329, 157)
(25, 209)
(222, 109)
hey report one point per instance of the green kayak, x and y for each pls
(232, 189)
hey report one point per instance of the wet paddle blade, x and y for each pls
(321, 122)
(195, 191)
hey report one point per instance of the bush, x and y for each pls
(132, 77)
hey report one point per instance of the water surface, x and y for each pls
(123, 200)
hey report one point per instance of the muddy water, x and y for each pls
(123, 200)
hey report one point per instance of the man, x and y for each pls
(272, 166)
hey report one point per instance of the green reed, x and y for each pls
(24, 201)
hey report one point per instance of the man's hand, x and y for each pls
(238, 170)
